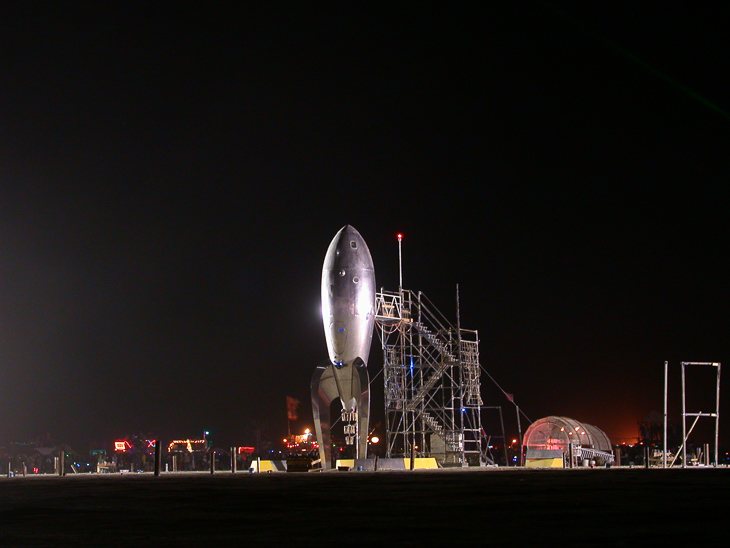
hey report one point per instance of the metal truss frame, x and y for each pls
(431, 380)
(697, 415)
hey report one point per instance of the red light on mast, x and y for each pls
(400, 237)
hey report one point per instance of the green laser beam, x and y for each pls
(637, 60)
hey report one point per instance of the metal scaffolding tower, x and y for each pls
(432, 385)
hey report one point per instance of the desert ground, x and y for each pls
(615, 507)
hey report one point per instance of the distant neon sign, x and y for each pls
(188, 445)
(122, 445)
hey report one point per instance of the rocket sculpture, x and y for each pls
(348, 314)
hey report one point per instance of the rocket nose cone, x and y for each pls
(347, 232)
(348, 250)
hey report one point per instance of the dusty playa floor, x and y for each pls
(518, 507)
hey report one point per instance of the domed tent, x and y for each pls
(562, 441)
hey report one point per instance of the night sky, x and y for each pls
(171, 177)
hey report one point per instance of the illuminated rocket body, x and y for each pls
(348, 315)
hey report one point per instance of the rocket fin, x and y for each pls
(324, 391)
(349, 384)
(360, 371)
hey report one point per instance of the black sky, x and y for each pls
(170, 179)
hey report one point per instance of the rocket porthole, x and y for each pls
(342, 272)
(356, 280)
(353, 244)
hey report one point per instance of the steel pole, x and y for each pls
(664, 454)
(158, 457)
(400, 267)
(717, 416)
(504, 438)
(684, 424)
(519, 433)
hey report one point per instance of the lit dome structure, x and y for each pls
(560, 441)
